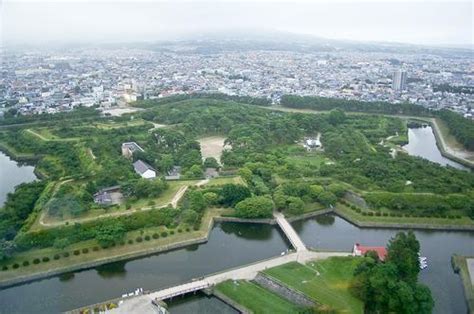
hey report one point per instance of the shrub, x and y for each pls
(385, 214)
(26, 263)
(196, 227)
(164, 234)
(66, 254)
(364, 213)
(85, 250)
(187, 229)
(139, 239)
(172, 232)
(15, 266)
(370, 213)
(155, 235)
(130, 241)
(147, 238)
(95, 248)
(378, 214)
(458, 217)
(351, 206)
(4, 267)
(180, 230)
(76, 252)
(450, 217)
(122, 242)
(45, 259)
(56, 256)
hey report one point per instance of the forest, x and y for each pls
(264, 148)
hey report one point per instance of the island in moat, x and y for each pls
(115, 188)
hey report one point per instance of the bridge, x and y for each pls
(143, 303)
(290, 233)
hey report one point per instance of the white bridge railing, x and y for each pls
(183, 291)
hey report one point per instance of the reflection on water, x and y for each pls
(225, 249)
(13, 173)
(438, 246)
(422, 143)
(199, 304)
(116, 269)
(66, 277)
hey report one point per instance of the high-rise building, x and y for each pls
(399, 80)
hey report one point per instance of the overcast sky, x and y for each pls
(421, 22)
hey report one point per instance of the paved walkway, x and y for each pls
(290, 232)
(470, 268)
(142, 304)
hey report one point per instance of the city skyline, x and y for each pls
(436, 23)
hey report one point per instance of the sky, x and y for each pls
(416, 21)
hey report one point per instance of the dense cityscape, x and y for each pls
(54, 81)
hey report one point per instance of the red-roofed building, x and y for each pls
(360, 250)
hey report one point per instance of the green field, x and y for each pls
(325, 281)
(255, 298)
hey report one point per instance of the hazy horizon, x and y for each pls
(40, 23)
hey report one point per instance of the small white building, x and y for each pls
(144, 170)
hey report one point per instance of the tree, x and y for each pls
(107, 235)
(337, 189)
(295, 205)
(61, 243)
(255, 207)
(194, 172)
(336, 117)
(391, 286)
(231, 194)
(189, 216)
(211, 198)
(327, 198)
(211, 162)
(196, 201)
(7, 248)
(403, 252)
(315, 190)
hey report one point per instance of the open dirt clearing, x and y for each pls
(212, 147)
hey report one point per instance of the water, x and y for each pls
(13, 173)
(229, 245)
(330, 232)
(422, 143)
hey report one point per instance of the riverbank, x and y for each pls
(401, 222)
(460, 266)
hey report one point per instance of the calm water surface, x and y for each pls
(422, 143)
(333, 233)
(229, 245)
(13, 173)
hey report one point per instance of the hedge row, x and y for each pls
(66, 254)
(87, 231)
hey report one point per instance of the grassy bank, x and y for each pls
(463, 223)
(51, 261)
(324, 281)
(256, 298)
(460, 266)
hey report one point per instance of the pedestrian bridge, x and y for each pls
(143, 303)
(290, 233)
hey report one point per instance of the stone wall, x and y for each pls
(283, 291)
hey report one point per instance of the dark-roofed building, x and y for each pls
(144, 170)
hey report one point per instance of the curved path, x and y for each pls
(174, 203)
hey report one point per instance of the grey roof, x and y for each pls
(132, 146)
(141, 167)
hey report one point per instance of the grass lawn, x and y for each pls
(226, 180)
(255, 298)
(310, 159)
(350, 214)
(325, 281)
